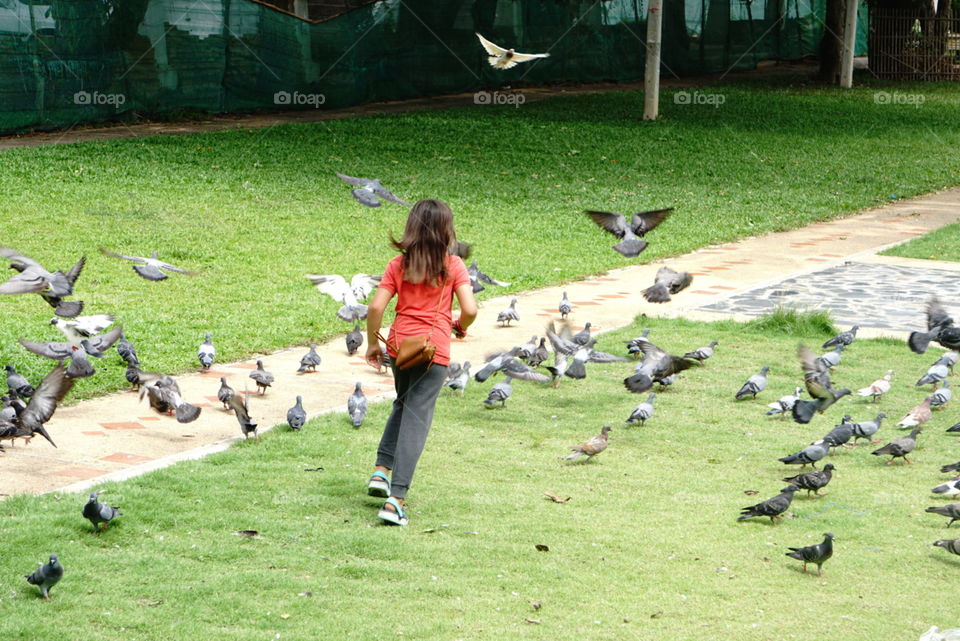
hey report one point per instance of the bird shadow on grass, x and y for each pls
(946, 560)
(798, 568)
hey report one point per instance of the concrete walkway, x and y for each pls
(118, 436)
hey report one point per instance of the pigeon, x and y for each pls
(813, 481)
(581, 353)
(163, 394)
(499, 393)
(225, 393)
(866, 429)
(633, 346)
(816, 377)
(936, 373)
(500, 58)
(754, 385)
(565, 308)
(127, 351)
(369, 192)
(583, 336)
(952, 511)
(840, 434)
(151, 268)
(877, 388)
(296, 417)
(525, 351)
(238, 403)
(477, 278)
(509, 314)
(831, 359)
(643, 411)
(310, 360)
(80, 366)
(133, 375)
(53, 287)
(43, 404)
(460, 378)
(357, 406)
(76, 329)
(949, 359)
(703, 353)
(808, 455)
(99, 514)
(919, 415)
(540, 354)
(59, 351)
(950, 488)
(591, 447)
(784, 405)
(46, 576)
(630, 235)
(17, 384)
(818, 553)
(843, 338)
(505, 362)
(337, 288)
(942, 395)
(952, 467)
(261, 377)
(666, 282)
(354, 340)
(656, 365)
(950, 545)
(774, 507)
(206, 352)
(899, 447)
(940, 328)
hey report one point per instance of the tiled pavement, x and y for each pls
(118, 436)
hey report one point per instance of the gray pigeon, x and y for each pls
(784, 405)
(509, 314)
(816, 377)
(506, 363)
(583, 336)
(474, 272)
(950, 545)
(942, 395)
(261, 377)
(643, 411)
(666, 282)
(17, 384)
(866, 429)
(296, 416)
(841, 433)
(703, 353)
(499, 393)
(592, 446)
(774, 507)
(940, 328)
(831, 359)
(369, 192)
(540, 354)
(43, 404)
(206, 353)
(813, 481)
(565, 308)
(151, 268)
(225, 393)
(843, 338)
(936, 373)
(657, 365)
(818, 554)
(46, 576)
(163, 394)
(633, 345)
(53, 287)
(357, 406)
(952, 511)
(808, 455)
(59, 351)
(99, 514)
(899, 447)
(127, 351)
(460, 379)
(80, 366)
(238, 403)
(354, 340)
(133, 375)
(630, 235)
(754, 385)
(310, 360)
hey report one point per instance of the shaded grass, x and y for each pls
(256, 210)
(647, 547)
(940, 244)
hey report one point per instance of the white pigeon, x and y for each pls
(501, 58)
(950, 488)
(877, 388)
(207, 352)
(81, 327)
(784, 405)
(350, 295)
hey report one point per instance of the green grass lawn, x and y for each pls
(256, 210)
(647, 547)
(940, 244)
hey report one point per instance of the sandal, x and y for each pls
(379, 485)
(395, 516)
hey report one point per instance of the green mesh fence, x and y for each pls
(66, 62)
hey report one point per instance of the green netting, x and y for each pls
(65, 62)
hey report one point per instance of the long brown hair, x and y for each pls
(427, 238)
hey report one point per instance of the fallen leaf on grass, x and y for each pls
(542, 548)
(535, 621)
(751, 492)
(657, 614)
(556, 499)
(314, 469)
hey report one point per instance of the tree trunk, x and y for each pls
(831, 45)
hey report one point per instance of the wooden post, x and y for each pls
(651, 77)
(849, 42)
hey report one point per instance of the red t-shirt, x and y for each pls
(417, 305)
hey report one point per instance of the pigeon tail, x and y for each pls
(919, 341)
(631, 247)
(638, 383)
(68, 308)
(577, 369)
(80, 368)
(803, 411)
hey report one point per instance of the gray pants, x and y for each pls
(406, 430)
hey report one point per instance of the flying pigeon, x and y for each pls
(950, 488)
(296, 416)
(261, 377)
(46, 576)
(950, 545)
(899, 447)
(818, 553)
(127, 351)
(477, 278)
(149, 268)
(656, 365)
(581, 353)
(509, 314)
(952, 511)
(18, 384)
(940, 328)
(564, 307)
(773, 507)
(877, 388)
(59, 351)
(866, 429)
(163, 394)
(53, 287)
(813, 481)
(942, 395)
(99, 514)
(505, 362)
(499, 393)
(643, 411)
(843, 338)
(357, 406)
(43, 404)
(369, 192)
(591, 447)
(238, 403)
(666, 282)
(630, 235)
(703, 353)
(207, 352)
(459, 380)
(81, 327)
(754, 385)
(500, 58)
(831, 359)
(919, 415)
(808, 455)
(337, 288)
(80, 366)
(784, 405)
(816, 377)
(310, 360)
(354, 340)
(225, 393)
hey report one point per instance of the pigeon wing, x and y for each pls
(25, 282)
(492, 49)
(614, 223)
(333, 285)
(350, 180)
(150, 272)
(136, 259)
(644, 221)
(365, 197)
(527, 57)
(56, 351)
(386, 194)
(51, 391)
(936, 315)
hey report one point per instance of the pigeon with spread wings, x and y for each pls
(816, 377)
(940, 328)
(501, 58)
(369, 192)
(630, 234)
(31, 277)
(666, 282)
(151, 268)
(350, 295)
